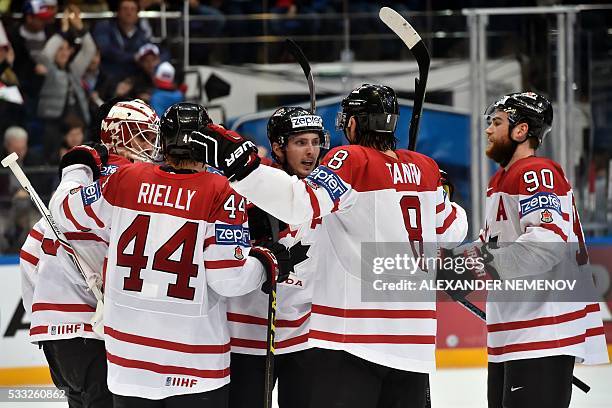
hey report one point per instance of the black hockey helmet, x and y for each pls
(289, 120)
(177, 123)
(525, 107)
(376, 111)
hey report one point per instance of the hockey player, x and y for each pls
(176, 249)
(297, 138)
(55, 293)
(532, 229)
(367, 354)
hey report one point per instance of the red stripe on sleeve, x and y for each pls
(440, 207)
(554, 228)
(28, 257)
(68, 213)
(63, 307)
(36, 235)
(93, 216)
(84, 236)
(38, 330)
(210, 241)
(447, 222)
(224, 264)
(314, 202)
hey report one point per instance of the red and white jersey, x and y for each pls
(531, 205)
(61, 305)
(248, 315)
(60, 302)
(177, 248)
(29, 257)
(361, 195)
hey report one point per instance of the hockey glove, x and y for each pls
(225, 150)
(447, 185)
(466, 263)
(94, 156)
(276, 261)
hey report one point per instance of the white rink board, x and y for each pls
(15, 350)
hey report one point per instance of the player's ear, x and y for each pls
(519, 133)
(278, 151)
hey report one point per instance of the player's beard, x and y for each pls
(501, 151)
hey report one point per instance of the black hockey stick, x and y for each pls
(413, 41)
(483, 316)
(271, 334)
(299, 56)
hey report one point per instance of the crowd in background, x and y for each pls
(56, 68)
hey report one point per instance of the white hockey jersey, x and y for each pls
(177, 247)
(364, 196)
(531, 205)
(60, 303)
(248, 315)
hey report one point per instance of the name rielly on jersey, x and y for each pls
(403, 173)
(174, 198)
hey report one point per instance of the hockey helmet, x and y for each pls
(374, 107)
(525, 107)
(177, 123)
(288, 121)
(134, 126)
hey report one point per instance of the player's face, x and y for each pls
(301, 153)
(144, 142)
(499, 145)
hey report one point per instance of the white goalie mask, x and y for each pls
(132, 126)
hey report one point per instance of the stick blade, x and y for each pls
(11, 158)
(298, 54)
(399, 26)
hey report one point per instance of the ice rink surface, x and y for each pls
(466, 388)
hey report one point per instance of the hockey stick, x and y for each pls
(10, 161)
(483, 316)
(271, 334)
(413, 41)
(300, 57)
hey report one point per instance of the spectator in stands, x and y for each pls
(62, 95)
(165, 93)
(119, 40)
(28, 40)
(74, 136)
(288, 26)
(148, 58)
(16, 141)
(11, 101)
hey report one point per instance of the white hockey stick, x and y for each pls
(10, 161)
(413, 41)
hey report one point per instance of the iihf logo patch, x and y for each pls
(168, 381)
(238, 253)
(53, 330)
(546, 216)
